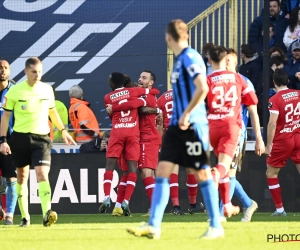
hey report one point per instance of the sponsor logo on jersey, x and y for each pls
(119, 94)
(290, 95)
(125, 125)
(270, 105)
(225, 78)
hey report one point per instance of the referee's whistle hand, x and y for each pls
(5, 149)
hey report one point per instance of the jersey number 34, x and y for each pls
(221, 97)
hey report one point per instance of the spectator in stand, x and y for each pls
(287, 6)
(251, 67)
(259, 46)
(277, 18)
(292, 32)
(293, 67)
(276, 51)
(83, 120)
(276, 62)
(207, 47)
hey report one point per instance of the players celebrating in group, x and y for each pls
(186, 138)
(187, 126)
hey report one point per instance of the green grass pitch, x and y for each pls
(102, 231)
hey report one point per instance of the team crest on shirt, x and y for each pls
(178, 65)
(24, 107)
(270, 105)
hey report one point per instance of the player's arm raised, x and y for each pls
(199, 96)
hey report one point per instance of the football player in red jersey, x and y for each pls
(283, 140)
(124, 135)
(150, 139)
(125, 186)
(165, 104)
(227, 91)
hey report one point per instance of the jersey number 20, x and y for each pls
(194, 148)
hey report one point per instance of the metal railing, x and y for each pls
(226, 23)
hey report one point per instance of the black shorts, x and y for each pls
(30, 149)
(185, 148)
(6, 166)
(239, 155)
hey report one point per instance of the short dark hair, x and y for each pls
(177, 29)
(207, 47)
(247, 50)
(274, 49)
(277, 60)
(217, 53)
(32, 61)
(117, 79)
(280, 77)
(152, 76)
(275, 1)
(127, 80)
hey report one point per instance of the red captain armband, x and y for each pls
(249, 98)
(154, 91)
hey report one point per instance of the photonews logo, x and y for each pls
(275, 238)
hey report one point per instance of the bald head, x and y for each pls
(4, 71)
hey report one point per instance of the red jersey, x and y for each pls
(148, 130)
(286, 103)
(124, 123)
(165, 103)
(227, 91)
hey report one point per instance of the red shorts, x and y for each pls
(130, 145)
(149, 156)
(122, 162)
(283, 150)
(224, 139)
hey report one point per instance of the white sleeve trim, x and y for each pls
(247, 90)
(274, 112)
(145, 103)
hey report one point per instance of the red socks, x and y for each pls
(174, 189)
(192, 186)
(222, 170)
(108, 176)
(275, 191)
(224, 188)
(131, 180)
(149, 183)
(3, 200)
(121, 189)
